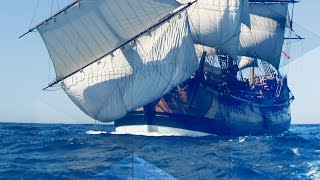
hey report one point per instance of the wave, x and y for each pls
(44, 151)
(94, 132)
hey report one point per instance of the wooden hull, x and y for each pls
(205, 111)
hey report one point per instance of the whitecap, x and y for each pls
(94, 132)
(242, 139)
(314, 172)
(296, 151)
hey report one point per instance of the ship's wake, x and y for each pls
(94, 132)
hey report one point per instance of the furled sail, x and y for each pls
(137, 74)
(200, 49)
(87, 31)
(245, 62)
(216, 23)
(265, 37)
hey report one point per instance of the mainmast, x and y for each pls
(252, 80)
(277, 13)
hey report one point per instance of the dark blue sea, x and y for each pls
(38, 151)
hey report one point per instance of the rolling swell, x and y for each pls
(35, 151)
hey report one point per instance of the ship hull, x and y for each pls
(173, 124)
(210, 113)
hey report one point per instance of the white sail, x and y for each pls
(86, 32)
(136, 75)
(200, 49)
(265, 37)
(245, 62)
(216, 23)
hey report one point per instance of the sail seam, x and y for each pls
(101, 32)
(126, 17)
(130, 6)
(125, 43)
(92, 36)
(147, 13)
(116, 20)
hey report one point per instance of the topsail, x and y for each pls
(265, 36)
(86, 32)
(216, 23)
(137, 74)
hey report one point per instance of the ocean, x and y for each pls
(42, 151)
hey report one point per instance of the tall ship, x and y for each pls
(185, 67)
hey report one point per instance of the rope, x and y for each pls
(58, 5)
(49, 77)
(34, 14)
(51, 7)
(191, 23)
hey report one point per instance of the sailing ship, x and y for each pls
(186, 67)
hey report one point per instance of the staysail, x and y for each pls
(88, 30)
(217, 23)
(265, 37)
(137, 74)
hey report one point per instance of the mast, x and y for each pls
(252, 80)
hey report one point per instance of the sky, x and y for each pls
(24, 68)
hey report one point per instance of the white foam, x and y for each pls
(296, 151)
(242, 139)
(94, 132)
(314, 172)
